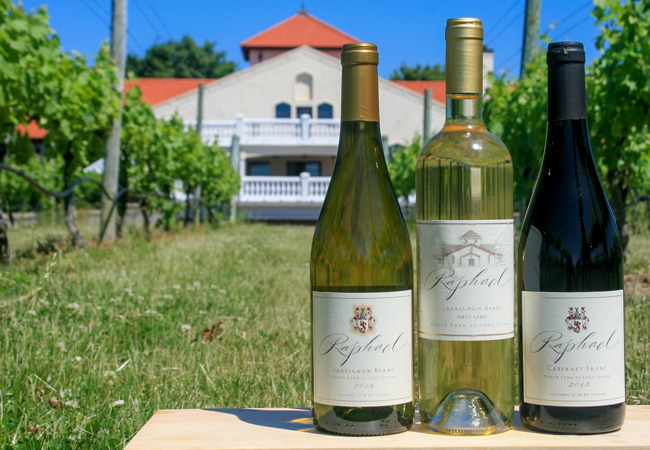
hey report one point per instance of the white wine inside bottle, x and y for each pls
(465, 258)
(570, 280)
(361, 276)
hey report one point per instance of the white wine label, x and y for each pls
(573, 348)
(466, 279)
(363, 348)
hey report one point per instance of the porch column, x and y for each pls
(239, 125)
(304, 186)
(305, 125)
(242, 167)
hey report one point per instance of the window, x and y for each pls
(259, 169)
(325, 111)
(303, 87)
(295, 168)
(282, 111)
(300, 110)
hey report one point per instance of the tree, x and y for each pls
(516, 112)
(419, 72)
(28, 54)
(401, 167)
(181, 59)
(20, 195)
(618, 85)
(220, 180)
(619, 88)
(147, 147)
(79, 115)
(157, 152)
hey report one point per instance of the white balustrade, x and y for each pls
(272, 131)
(269, 189)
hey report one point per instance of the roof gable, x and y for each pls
(154, 91)
(470, 235)
(300, 29)
(258, 71)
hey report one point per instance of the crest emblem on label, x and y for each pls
(363, 321)
(577, 319)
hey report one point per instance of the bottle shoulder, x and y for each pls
(360, 228)
(360, 236)
(467, 144)
(569, 243)
(579, 209)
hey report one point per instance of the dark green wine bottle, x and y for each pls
(361, 276)
(570, 280)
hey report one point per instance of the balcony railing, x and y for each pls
(272, 131)
(301, 189)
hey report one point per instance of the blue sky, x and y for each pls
(404, 31)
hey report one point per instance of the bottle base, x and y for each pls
(564, 428)
(465, 412)
(574, 420)
(362, 421)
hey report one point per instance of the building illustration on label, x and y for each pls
(577, 319)
(363, 320)
(471, 252)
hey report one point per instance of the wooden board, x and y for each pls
(196, 429)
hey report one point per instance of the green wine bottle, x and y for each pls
(465, 257)
(361, 276)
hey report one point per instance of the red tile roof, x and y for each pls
(438, 91)
(33, 130)
(154, 91)
(301, 29)
(158, 90)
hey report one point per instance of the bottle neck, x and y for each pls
(566, 91)
(567, 137)
(464, 109)
(360, 93)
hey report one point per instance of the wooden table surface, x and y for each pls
(196, 429)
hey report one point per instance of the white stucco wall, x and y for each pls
(255, 91)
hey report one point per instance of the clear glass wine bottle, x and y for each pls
(465, 257)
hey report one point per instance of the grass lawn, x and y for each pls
(93, 342)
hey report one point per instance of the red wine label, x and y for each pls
(363, 348)
(573, 348)
(466, 279)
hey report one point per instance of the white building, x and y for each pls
(280, 116)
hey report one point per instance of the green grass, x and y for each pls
(93, 342)
(91, 329)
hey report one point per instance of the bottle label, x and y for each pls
(363, 348)
(573, 348)
(466, 279)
